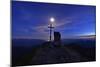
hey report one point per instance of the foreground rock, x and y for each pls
(54, 54)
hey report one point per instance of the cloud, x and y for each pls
(62, 23)
(40, 29)
(44, 28)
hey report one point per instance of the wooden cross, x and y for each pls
(51, 29)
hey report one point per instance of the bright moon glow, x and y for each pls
(52, 19)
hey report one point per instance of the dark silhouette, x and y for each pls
(57, 38)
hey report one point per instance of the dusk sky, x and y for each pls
(30, 20)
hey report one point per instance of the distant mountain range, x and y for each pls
(27, 42)
(89, 39)
(82, 37)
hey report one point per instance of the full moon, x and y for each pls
(52, 19)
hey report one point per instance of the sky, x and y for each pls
(30, 20)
